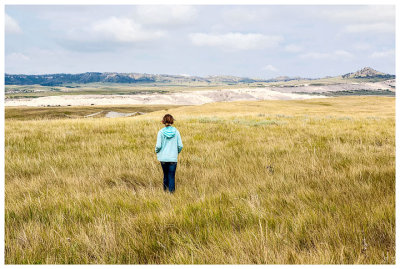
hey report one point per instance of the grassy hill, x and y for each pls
(304, 182)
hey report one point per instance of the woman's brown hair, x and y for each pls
(168, 119)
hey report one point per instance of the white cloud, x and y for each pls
(270, 68)
(123, 30)
(315, 55)
(235, 41)
(367, 19)
(11, 25)
(238, 16)
(366, 14)
(343, 53)
(113, 29)
(362, 46)
(323, 55)
(293, 48)
(383, 54)
(17, 56)
(370, 28)
(166, 15)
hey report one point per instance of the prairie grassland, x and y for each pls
(276, 182)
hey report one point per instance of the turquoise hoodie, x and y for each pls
(169, 144)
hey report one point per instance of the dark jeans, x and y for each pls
(169, 169)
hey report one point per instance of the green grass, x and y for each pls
(276, 182)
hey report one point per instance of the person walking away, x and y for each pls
(168, 146)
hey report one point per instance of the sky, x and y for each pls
(263, 41)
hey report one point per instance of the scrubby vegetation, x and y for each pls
(383, 92)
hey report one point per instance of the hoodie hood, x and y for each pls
(168, 131)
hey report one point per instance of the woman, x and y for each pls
(169, 145)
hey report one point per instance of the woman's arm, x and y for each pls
(180, 145)
(158, 144)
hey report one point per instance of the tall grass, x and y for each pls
(304, 182)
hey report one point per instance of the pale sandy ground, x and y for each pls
(376, 86)
(180, 98)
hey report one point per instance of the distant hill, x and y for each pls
(368, 72)
(96, 77)
(59, 79)
(93, 77)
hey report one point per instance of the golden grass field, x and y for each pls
(275, 182)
